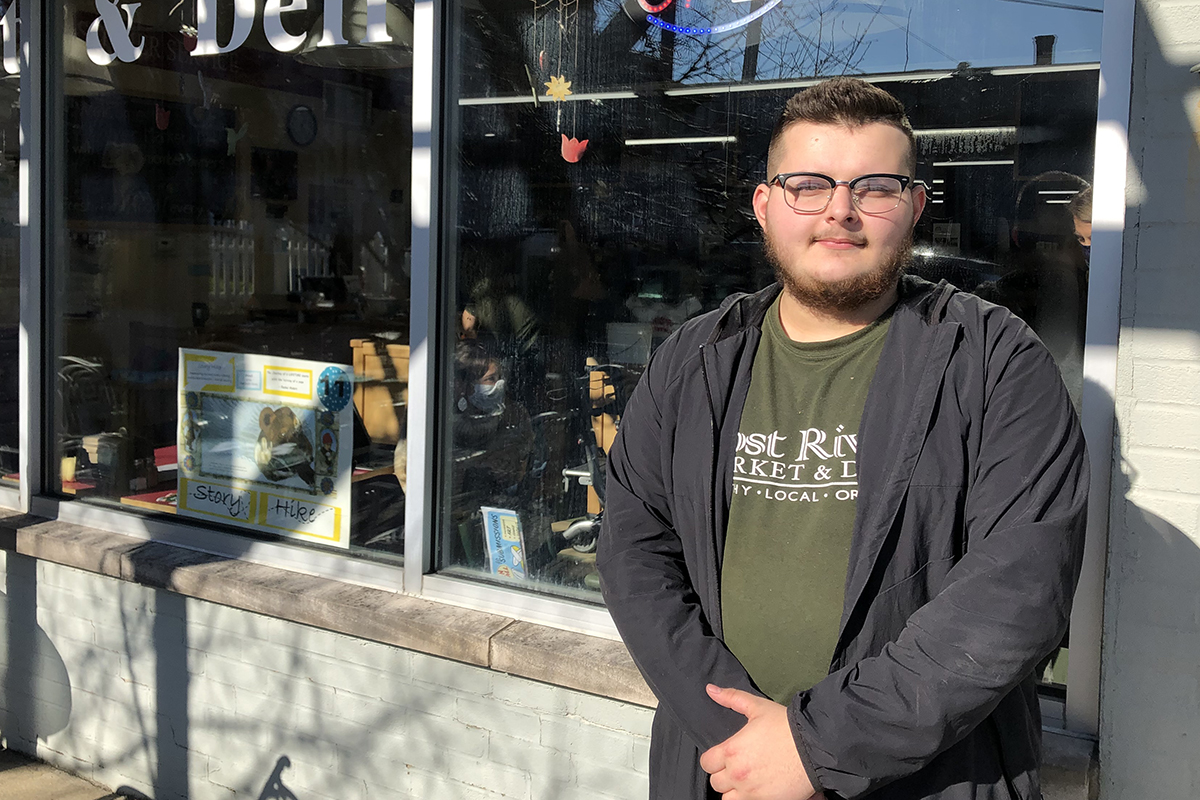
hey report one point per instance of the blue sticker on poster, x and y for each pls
(334, 388)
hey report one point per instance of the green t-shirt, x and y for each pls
(794, 495)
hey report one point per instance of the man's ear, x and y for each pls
(761, 194)
(919, 198)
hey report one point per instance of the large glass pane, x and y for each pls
(601, 161)
(236, 181)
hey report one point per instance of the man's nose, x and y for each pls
(841, 205)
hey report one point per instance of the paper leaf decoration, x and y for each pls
(558, 87)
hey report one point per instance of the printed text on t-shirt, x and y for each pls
(806, 466)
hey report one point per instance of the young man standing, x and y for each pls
(844, 515)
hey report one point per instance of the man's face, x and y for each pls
(839, 259)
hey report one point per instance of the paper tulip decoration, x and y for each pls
(573, 149)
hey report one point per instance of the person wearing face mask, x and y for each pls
(492, 435)
(488, 395)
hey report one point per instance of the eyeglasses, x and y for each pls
(810, 192)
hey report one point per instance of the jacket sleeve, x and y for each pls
(644, 575)
(1005, 605)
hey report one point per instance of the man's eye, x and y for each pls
(878, 188)
(807, 186)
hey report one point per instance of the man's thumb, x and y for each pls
(733, 699)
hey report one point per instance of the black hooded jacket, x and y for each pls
(966, 550)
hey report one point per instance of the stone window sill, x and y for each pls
(563, 658)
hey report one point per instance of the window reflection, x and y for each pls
(1046, 283)
(602, 159)
(231, 184)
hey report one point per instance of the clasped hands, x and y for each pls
(760, 761)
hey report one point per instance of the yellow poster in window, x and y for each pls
(265, 443)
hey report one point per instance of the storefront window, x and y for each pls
(236, 183)
(601, 161)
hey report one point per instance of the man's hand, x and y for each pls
(760, 761)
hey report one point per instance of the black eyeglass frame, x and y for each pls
(905, 183)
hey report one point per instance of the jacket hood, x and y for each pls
(747, 310)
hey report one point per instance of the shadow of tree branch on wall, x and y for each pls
(274, 788)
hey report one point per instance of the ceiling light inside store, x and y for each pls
(994, 130)
(81, 76)
(1001, 162)
(574, 97)
(681, 140)
(358, 53)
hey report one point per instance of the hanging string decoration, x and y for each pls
(556, 34)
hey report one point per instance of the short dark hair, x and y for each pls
(472, 360)
(1081, 205)
(849, 102)
(1037, 220)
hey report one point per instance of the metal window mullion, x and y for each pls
(41, 162)
(423, 316)
(1100, 357)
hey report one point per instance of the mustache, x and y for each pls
(855, 238)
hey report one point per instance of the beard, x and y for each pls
(847, 294)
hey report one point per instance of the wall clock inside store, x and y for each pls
(302, 125)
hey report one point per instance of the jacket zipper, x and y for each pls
(710, 506)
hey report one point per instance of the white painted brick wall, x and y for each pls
(168, 696)
(1150, 694)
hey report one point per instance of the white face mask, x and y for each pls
(488, 399)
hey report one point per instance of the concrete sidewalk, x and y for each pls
(23, 778)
